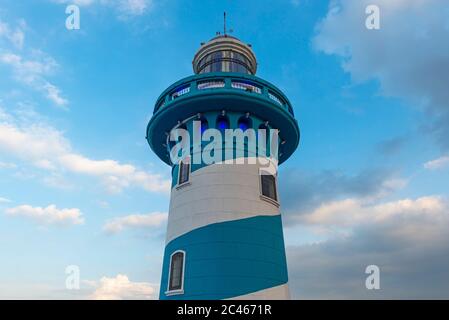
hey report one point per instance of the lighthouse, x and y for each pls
(224, 235)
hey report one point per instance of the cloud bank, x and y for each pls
(45, 147)
(407, 239)
(408, 56)
(31, 69)
(48, 215)
(121, 288)
(124, 8)
(150, 220)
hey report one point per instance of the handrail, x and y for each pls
(189, 86)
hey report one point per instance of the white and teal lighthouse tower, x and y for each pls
(224, 235)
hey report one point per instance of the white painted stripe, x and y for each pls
(275, 293)
(217, 193)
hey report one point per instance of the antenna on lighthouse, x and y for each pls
(224, 23)
(218, 33)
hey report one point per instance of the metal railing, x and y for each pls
(246, 86)
(194, 85)
(275, 98)
(180, 92)
(211, 84)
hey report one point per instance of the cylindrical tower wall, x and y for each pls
(229, 232)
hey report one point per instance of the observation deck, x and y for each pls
(217, 91)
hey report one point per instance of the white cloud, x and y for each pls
(437, 163)
(353, 212)
(124, 8)
(54, 94)
(80, 164)
(28, 70)
(408, 239)
(408, 55)
(115, 176)
(409, 42)
(121, 288)
(48, 215)
(77, 2)
(46, 148)
(368, 185)
(154, 219)
(4, 200)
(7, 165)
(134, 7)
(15, 36)
(32, 73)
(37, 143)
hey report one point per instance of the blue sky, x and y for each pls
(80, 186)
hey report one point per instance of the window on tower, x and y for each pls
(244, 123)
(225, 61)
(176, 274)
(268, 186)
(222, 123)
(204, 125)
(246, 86)
(184, 172)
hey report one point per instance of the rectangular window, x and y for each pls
(268, 184)
(180, 91)
(176, 271)
(211, 84)
(275, 98)
(247, 86)
(184, 171)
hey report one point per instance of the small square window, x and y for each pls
(268, 186)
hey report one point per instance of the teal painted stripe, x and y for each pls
(229, 259)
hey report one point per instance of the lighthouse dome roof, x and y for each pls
(225, 53)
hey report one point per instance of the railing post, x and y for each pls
(265, 91)
(193, 86)
(227, 82)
